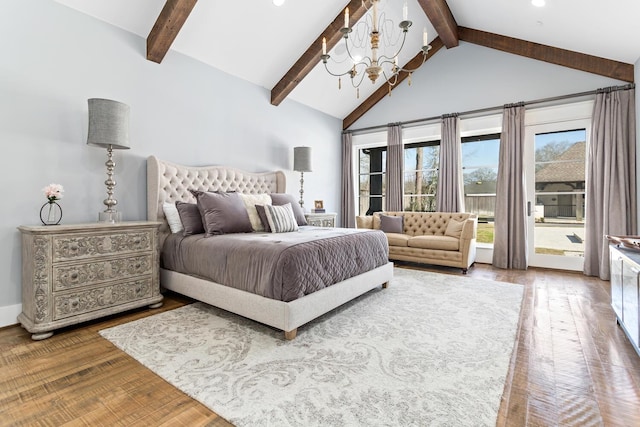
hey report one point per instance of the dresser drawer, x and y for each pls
(79, 246)
(91, 273)
(68, 304)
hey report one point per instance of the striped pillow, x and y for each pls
(281, 218)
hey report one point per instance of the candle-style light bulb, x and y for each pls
(346, 18)
(425, 39)
(405, 12)
(324, 45)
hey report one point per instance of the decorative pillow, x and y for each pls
(190, 218)
(172, 216)
(279, 199)
(281, 218)
(454, 228)
(391, 224)
(250, 201)
(223, 213)
(263, 218)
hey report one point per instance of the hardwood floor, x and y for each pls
(572, 366)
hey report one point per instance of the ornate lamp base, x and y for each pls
(112, 217)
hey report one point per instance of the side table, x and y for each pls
(321, 219)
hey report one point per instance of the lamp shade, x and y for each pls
(108, 123)
(302, 159)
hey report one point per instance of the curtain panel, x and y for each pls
(450, 183)
(611, 176)
(347, 208)
(395, 155)
(510, 238)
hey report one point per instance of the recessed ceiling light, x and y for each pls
(281, 2)
(538, 3)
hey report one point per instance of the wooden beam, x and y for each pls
(311, 57)
(567, 58)
(442, 20)
(384, 90)
(167, 26)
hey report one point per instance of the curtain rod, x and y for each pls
(488, 109)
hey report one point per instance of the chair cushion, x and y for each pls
(397, 239)
(434, 242)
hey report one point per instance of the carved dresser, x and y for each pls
(74, 273)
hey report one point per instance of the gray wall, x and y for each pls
(470, 77)
(54, 58)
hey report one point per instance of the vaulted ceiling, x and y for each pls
(279, 47)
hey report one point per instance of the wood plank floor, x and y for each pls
(572, 366)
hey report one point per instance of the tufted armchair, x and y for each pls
(430, 237)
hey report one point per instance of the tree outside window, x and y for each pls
(421, 161)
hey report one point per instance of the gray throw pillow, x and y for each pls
(391, 224)
(222, 213)
(190, 218)
(279, 199)
(263, 218)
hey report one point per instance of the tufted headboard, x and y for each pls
(170, 182)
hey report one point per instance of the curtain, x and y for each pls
(510, 238)
(347, 209)
(450, 192)
(395, 156)
(611, 176)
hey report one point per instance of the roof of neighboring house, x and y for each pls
(570, 166)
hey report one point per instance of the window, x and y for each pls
(421, 161)
(371, 187)
(480, 156)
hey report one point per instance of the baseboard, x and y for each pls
(9, 315)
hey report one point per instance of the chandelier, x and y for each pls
(374, 65)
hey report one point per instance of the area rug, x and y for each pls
(431, 349)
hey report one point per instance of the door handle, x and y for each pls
(528, 208)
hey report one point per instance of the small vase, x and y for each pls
(51, 213)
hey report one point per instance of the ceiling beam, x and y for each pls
(384, 90)
(567, 58)
(311, 57)
(167, 26)
(442, 20)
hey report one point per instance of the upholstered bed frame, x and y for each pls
(170, 182)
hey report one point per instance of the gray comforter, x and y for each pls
(283, 266)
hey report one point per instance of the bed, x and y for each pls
(171, 182)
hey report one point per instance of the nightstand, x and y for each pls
(321, 219)
(75, 273)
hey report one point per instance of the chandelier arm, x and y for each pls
(334, 74)
(404, 38)
(360, 82)
(424, 59)
(362, 61)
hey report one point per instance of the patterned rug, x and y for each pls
(431, 349)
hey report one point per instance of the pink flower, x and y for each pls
(53, 192)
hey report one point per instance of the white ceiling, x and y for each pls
(259, 42)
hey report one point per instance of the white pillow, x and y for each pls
(173, 218)
(281, 218)
(250, 201)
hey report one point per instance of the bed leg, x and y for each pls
(289, 335)
(385, 285)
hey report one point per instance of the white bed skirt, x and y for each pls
(286, 316)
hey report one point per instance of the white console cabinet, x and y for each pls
(625, 291)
